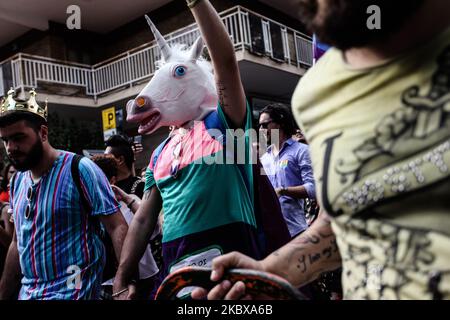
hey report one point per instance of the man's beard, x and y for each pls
(343, 23)
(31, 158)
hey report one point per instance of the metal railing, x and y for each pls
(248, 31)
(27, 70)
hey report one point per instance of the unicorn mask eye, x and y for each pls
(180, 71)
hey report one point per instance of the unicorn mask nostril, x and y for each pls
(140, 102)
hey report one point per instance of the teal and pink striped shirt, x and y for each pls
(61, 255)
(208, 205)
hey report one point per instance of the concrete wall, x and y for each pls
(58, 43)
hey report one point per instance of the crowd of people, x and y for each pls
(354, 205)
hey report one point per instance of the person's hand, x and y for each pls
(137, 148)
(121, 195)
(225, 290)
(122, 291)
(280, 192)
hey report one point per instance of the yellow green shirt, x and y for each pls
(380, 148)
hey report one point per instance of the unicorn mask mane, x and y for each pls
(181, 91)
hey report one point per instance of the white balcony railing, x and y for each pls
(248, 31)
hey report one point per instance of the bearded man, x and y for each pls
(56, 252)
(375, 111)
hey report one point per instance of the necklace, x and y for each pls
(177, 152)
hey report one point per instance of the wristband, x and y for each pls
(192, 3)
(119, 292)
(131, 203)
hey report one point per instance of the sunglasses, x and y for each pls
(265, 125)
(28, 209)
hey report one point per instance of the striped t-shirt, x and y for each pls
(61, 255)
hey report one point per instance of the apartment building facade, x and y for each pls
(83, 72)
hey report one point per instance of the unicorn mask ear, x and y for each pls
(165, 49)
(196, 49)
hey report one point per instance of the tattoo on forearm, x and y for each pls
(312, 253)
(306, 239)
(325, 235)
(304, 261)
(221, 94)
(313, 257)
(312, 239)
(327, 252)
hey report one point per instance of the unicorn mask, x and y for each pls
(182, 89)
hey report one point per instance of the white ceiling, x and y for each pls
(19, 16)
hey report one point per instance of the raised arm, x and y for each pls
(139, 233)
(226, 70)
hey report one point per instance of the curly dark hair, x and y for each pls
(121, 146)
(281, 114)
(107, 163)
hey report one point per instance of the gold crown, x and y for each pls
(9, 104)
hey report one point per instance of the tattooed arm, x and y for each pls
(226, 70)
(300, 261)
(307, 256)
(139, 232)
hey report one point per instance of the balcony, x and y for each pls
(250, 32)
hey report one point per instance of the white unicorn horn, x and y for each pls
(165, 49)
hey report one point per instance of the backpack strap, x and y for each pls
(111, 265)
(75, 168)
(158, 151)
(86, 206)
